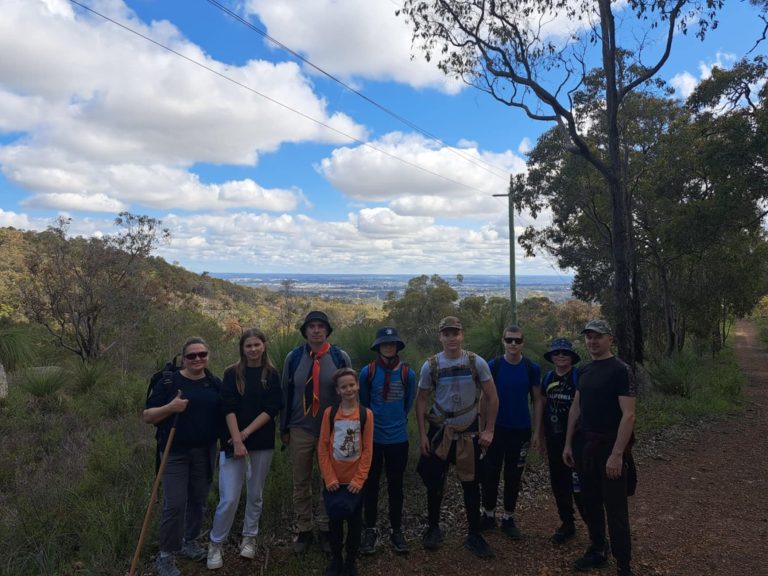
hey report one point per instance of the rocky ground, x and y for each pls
(700, 508)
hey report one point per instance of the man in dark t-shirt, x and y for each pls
(604, 406)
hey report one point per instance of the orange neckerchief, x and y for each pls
(314, 380)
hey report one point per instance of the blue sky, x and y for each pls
(95, 120)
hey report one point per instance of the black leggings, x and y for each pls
(392, 458)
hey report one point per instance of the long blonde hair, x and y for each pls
(266, 362)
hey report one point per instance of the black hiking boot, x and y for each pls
(565, 532)
(476, 544)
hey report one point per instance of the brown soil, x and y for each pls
(700, 508)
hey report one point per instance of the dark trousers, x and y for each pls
(561, 480)
(510, 450)
(604, 498)
(392, 458)
(186, 482)
(433, 472)
(354, 531)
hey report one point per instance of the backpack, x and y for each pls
(295, 359)
(434, 372)
(363, 416)
(404, 369)
(165, 376)
(532, 381)
(549, 376)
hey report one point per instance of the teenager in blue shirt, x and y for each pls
(388, 388)
(515, 377)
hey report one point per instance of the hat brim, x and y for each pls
(574, 356)
(385, 340)
(303, 328)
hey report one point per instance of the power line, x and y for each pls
(486, 166)
(274, 101)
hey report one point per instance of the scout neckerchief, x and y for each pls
(312, 387)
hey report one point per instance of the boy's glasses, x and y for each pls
(513, 340)
(192, 355)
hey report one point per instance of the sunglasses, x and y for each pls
(513, 340)
(560, 353)
(201, 355)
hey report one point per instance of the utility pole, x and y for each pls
(512, 280)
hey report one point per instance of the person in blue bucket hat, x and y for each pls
(388, 388)
(558, 387)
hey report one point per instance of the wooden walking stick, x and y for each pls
(153, 497)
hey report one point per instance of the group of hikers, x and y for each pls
(354, 428)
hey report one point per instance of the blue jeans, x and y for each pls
(232, 471)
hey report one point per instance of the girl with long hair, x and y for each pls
(251, 398)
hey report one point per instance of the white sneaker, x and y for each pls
(215, 558)
(248, 547)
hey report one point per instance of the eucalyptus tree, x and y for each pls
(535, 55)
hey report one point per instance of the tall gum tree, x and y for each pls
(534, 55)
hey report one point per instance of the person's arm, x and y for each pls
(324, 454)
(537, 398)
(235, 435)
(366, 456)
(491, 400)
(366, 391)
(615, 463)
(285, 412)
(157, 414)
(573, 417)
(411, 385)
(421, 416)
(271, 404)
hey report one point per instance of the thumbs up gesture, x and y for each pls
(178, 404)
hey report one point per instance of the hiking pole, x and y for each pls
(153, 497)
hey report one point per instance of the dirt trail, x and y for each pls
(701, 508)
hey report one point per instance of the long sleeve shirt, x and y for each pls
(344, 452)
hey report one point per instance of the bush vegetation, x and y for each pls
(78, 463)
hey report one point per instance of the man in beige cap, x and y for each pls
(604, 407)
(455, 434)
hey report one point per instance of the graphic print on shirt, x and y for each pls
(346, 440)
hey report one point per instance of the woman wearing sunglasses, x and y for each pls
(558, 388)
(191, 403)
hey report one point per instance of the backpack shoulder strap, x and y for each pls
(496, 367)
(338, 358)
(473, 368)
(433, 369)
(294, 360)
(548, 377)
(404, 369)
(531, 375)
(363, 418)
(371, 373)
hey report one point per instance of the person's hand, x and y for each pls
(538, 444)
(333, 486)
(178, 404)
(486, 437)
(424, 445)
(240, 450)
(568, 457)
(285, 438)
(613, 466)
(354, 488)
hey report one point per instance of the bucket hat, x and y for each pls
(562, 345)
(385, 335)
(315, 316)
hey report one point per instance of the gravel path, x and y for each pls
(701, 508)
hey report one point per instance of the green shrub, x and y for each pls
(16, 348)
(44, 381)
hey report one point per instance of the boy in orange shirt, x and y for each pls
(344, 453)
